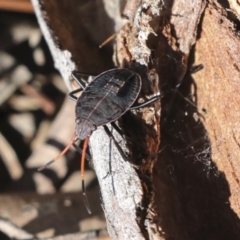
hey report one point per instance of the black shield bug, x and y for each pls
(103, 101)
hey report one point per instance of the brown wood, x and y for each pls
(187, 147)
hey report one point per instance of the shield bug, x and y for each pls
(103, 101)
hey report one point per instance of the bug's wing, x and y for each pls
(108, 96)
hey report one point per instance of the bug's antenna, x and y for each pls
(88, 157)
(82, 174)
(61, 153)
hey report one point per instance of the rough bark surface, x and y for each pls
(186, 185)
(197, 171)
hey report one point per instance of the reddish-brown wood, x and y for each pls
(187, 147)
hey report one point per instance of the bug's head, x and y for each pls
(84, 128)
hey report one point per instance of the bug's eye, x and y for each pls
(77, 120)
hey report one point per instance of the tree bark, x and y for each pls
(186, 145)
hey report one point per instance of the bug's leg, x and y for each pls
(151, 100)
(110, 164)
(196, 68)
(72, 96)
(110, 135)
(117, 129)
(115, 126)
(77, 77)
(82, 174)
(115, 142)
